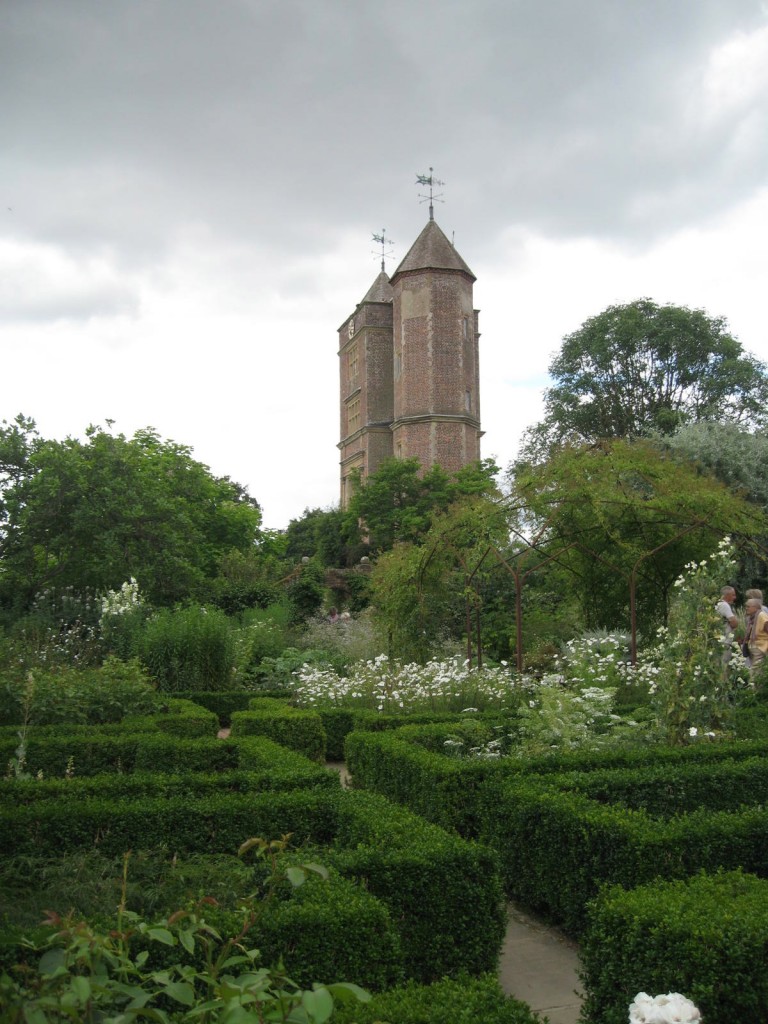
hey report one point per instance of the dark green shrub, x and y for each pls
(185, 718)
(221, 702)
(83, 753)
(558, 848)
(333, 929)
(463, 1001)
(447, 889)
(189, 649)
(339, 722)
(442, 893)
(405, 767)
(299, 730)
(121, 634)
(706, 937)
(305, 591)
(77, 696)
(443, 790)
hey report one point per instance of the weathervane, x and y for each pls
(432, 181)
(383, 241)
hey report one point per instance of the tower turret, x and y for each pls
(365, 366)
(435, 355)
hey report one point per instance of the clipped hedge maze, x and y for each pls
(561, 837)
(440, 898)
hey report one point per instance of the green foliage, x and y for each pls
(305, 591)
(558, 846)
(441, 789)
(410, 766)
(616, 508)
(342, 643)
(90, 973)
(556, 717)
(642, 367)
(465, 1000)
(698, 669)
(61, 628)
(705, 936)
(262, 636)
(71, 695)
(298, 730)
(189, 648)
(737, 457)
(246, 579)
(411, 601)
(398, 502)
(442, 894)
(90, 514)
(326, 535)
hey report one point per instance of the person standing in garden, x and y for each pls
(758, 594)
(757, 631)
(724, 608)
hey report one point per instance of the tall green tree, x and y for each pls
(639, 368)
(326, 534)
(621, 510)
(92, 513)
(399, 502)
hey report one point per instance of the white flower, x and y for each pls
(693, 731)
(671, 1008)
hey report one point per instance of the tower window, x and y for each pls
(468, 401)
(353, 416)
(465, 327)
(353, 364)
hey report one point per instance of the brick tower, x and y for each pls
(409, 365)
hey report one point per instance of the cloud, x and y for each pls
(193, 190)
(40, 283)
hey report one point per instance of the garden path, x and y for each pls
(538, 964)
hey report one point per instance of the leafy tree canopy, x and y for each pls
(323, 533)
(92, 513)
(641, 367)
(399, 501)
(620, 506)
(737, 457)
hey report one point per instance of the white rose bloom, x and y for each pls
(671, 1008)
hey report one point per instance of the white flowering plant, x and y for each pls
(699, 667)
(393, 688)
(558, 716)
(671, 1008)
(119, 602)
(598, 658)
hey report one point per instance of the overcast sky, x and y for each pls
(188, 190)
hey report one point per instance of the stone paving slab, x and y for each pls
(540, 966)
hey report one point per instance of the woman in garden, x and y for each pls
(757, 631)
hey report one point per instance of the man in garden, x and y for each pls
(724, 607)
(757, 631)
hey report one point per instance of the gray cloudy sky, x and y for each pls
(188, 191)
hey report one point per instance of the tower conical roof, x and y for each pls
(380, 290)
(432, 251)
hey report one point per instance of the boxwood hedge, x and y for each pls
(558, 847)
(444, 894)
(705, 936)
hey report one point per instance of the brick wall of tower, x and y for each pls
(435, 349)
(366, 390)
(437, 354)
